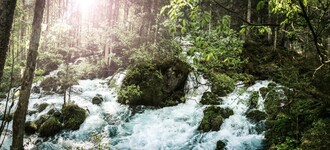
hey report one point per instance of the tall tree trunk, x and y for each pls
(20, 113)
(22, 53)
(7, 8)
(248, 15)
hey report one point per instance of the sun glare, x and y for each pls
(86, 5)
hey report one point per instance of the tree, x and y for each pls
(20, 113)
(7, 8)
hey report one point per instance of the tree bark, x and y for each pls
(7, 8)
(20, 113)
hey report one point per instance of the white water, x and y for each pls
(118, 127)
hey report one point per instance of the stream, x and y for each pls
(111, 125)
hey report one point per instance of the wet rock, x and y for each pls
(50, 127)
(253, 101)
(222, 84)
(36, 89)
(263, 91)
(30, 127)
(42, 107)
(73, 116)
(50, 84)
(158, 83)
(210, 98)
(32, 112)
(97, 100)
(256, 115)
(213, 118)
(221, 145)
(41, 120)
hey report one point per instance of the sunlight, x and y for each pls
(85, 5)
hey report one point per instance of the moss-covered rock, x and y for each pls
(50, 84)
(30, 127)
(256, 115)
(157, 83)
(97, 100)
(213, 118)
(41, 120)
(42, 107)
(210, 98)
(222, 84)
(263, 91)
(221, 145)
(253, 101)
(50, 127)
(73, 116)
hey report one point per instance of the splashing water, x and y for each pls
(116, 126)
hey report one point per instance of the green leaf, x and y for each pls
(260, 5)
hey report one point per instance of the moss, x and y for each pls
(222, 84)
(73, 116)
(317, 137)
(213, 118)
(263, 91)
(153, 83)
(50, 127)
(50, 84)
(253, 101)
(42, 107)
(255, 115)
(30, 127)
(41, 120)
(210, 98)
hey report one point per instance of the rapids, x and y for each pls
(115, 126)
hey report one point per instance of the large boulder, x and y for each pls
(50, 127)
(73, 116)
(256, 115)
(42, 107)
(221, 145)
(213, 118)
(222, 84)
(30, 127)
(210, 98)
(156, 83)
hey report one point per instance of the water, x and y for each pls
(120, 127)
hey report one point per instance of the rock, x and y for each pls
(263, 91)
(158, 83)
(221, 145)
(213, 118)
(32, 112)
(50, 127)
(253, 101)
(41, 120)
(222, 84)
(73, 116)
(36, 89)
(97, 100)
(210, 98)
(30, 127)
(256, 115)
(54, 112)
(50, 84)
(42, 107)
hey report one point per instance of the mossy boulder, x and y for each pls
(210, 98)
(50, 127)
(253, 101)
(73, 116)
(156, 83)
(221, 145)
(97, 100)
(30, 127)
(222, 84)
(213, 118)
(256, 115)
(50, 84)
(42, 107)
(263, 91)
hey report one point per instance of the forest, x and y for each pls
(164, 74)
